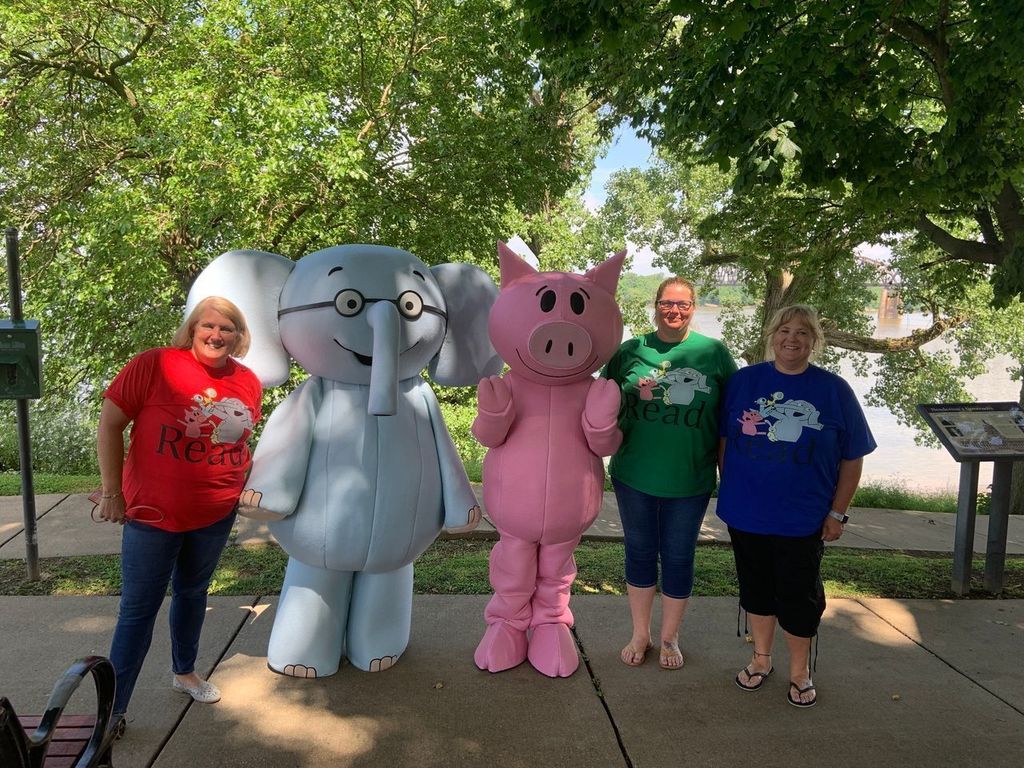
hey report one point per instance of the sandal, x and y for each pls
(796, 702)
(642, 655)
(761, 677)
(670, 650)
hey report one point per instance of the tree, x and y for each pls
(915, 107)
(140, 138)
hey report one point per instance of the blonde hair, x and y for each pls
(806, 314)
(675, 280)
(182, 338)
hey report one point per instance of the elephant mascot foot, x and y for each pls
(553, 650)
(323, 615)
(501, 648)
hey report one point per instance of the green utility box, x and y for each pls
(19, 360)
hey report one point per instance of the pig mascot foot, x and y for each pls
(501, 648)
(553, 650)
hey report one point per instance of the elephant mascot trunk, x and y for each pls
(382, 317)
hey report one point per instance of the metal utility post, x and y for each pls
(12, 373)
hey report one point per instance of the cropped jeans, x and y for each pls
(150, 559)
(654, 527)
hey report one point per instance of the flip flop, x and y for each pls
(671, 652)
(761, 677)
(799, 690)
(643, 656)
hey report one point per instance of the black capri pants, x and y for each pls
(781, 576)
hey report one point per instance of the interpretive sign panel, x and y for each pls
(978, 431)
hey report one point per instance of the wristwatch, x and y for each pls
(838, 516)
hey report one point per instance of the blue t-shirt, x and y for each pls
(785, 436)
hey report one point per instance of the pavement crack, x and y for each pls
(949, 664)
(234, 635)
(596, 682)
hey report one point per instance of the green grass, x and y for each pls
(459, 567)
(10, 483)
(890, 495)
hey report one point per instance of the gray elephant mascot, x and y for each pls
(355, 469)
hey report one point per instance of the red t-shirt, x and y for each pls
(188, 453)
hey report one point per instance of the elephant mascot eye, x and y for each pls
(349, 302)
(410, 305)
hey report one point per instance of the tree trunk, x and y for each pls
(776, 283)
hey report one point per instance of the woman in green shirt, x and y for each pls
(664, 473)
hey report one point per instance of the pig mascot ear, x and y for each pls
(466, 354)
(513, 266)
(252, 280)
(606, 274)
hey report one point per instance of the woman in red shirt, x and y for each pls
(192, 409)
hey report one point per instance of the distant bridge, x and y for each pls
(889, 302)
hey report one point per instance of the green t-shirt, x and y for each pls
(669, 413)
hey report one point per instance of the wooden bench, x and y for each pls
(56, 740)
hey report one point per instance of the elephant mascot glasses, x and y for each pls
(355, 469)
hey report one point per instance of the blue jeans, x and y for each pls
(150, 558)
(655, 527)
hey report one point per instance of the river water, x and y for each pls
(898, 459)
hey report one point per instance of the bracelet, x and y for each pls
(113, 495)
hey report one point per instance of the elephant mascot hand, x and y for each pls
(249, 506)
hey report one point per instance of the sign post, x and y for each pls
(972, 433)
(20, 380)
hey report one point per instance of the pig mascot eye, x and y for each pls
(547, 301)
(576, 303)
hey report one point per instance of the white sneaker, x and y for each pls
(205, 693)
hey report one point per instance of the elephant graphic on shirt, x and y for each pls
(791, 418)
(234, 420)
(683, 384)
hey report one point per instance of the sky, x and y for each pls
(627, 151)
(630, 151)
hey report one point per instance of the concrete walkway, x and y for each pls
(902, 682)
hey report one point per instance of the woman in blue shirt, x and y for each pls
(793, 441)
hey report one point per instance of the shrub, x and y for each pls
(62, 436)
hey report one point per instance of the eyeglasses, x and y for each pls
(666, 305)
(350, 302)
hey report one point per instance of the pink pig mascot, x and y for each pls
(547, 423)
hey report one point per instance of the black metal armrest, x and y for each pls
(13, 746)
(97, 750)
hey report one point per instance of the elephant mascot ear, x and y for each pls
(466, 354)
(252, 280)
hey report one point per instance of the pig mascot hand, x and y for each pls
(547, 424)
(355, 468)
